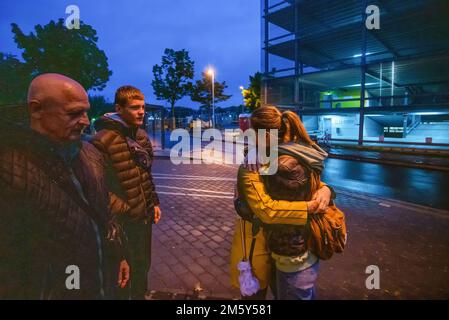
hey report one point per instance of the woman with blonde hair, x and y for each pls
(282, 203)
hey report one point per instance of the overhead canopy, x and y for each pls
(413, 33)
(330, 32)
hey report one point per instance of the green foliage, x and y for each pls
(98, 107)
(201, 92)
(251, 95)
(74, 53)
(14, 80)
(171, 78)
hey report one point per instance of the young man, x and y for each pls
(133, 196)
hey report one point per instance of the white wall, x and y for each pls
(310, 123)
(344, 126)
(372, 128)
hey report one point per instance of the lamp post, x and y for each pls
(211, 73)
(241, 89)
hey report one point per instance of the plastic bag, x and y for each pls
(249, 284)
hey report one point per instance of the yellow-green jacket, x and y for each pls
(251, 189)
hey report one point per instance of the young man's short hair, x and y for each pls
(127, 93)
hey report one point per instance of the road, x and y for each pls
(424, 187)
(415, 185)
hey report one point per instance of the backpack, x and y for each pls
(327, 233)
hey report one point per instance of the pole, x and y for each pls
(213, 98)
(266, 54)
(163, 128)
(380, 86)
(363, 76)
(392, 84)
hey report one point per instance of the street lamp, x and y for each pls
(241, 89)
(210, 72)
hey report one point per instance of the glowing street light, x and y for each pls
(241, 89)
(211, 72)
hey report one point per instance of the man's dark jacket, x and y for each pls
(130, 154)
(50, 220)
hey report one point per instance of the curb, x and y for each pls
(390, 162)
(177, 294)
(411, 151)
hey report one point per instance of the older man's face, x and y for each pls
(65, 116)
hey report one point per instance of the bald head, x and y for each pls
(58, 107)
(54, 87)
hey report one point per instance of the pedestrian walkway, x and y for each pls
(191, 244)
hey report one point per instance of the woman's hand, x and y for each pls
(251, 161)
(322, 197)
(312, 206)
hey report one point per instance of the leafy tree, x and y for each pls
(74, 53)
(14, 80)
(201, 92)
(251, 95)
(99, 106)
(171, 78)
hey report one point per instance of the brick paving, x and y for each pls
(191, 244)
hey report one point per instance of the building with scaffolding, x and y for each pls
(357, 84)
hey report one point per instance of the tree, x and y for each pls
(14, 80)
(251, 95)
(171, 78)
(201, 92)
(99, 106)
(74, 53)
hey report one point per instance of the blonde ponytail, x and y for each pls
(292, 129)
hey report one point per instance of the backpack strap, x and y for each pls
(255, 230)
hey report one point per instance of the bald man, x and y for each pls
(53, 202)
(58, 107)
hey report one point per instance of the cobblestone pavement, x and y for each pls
(191, 244)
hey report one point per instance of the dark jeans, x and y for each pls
(139, 249)
(259, 295)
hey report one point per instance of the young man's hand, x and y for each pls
(157, 214)
(123, 275)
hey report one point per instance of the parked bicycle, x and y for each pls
(324, 141)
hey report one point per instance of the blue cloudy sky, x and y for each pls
(134, 34)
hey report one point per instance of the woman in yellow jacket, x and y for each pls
(251, 189)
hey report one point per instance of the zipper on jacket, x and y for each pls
(141, 189)
(96, 230)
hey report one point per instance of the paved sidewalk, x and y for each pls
(191, 244)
